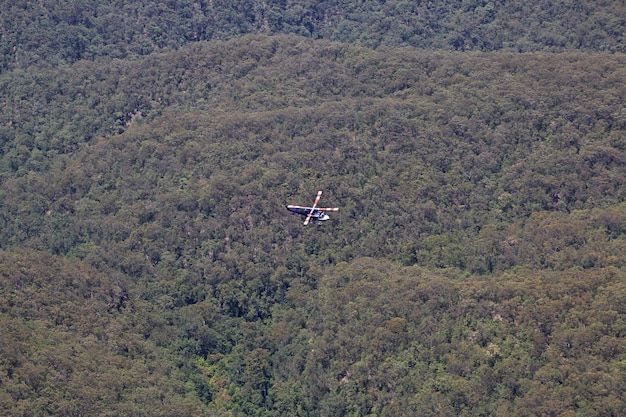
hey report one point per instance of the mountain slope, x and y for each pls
(452, 147)
(57, 32)
(67, 350)
(475, 265)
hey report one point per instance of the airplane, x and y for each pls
(318, 214)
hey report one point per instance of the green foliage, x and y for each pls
(475, 267)
(61, 32)
(440, 159)
(389, 340)
(68, 349)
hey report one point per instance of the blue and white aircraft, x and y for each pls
(318, 214)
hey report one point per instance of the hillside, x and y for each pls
(67, 348)
(63, 31)
(450, 146)
(476, 265)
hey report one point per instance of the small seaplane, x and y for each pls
(317, 214)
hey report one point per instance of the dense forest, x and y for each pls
(477, 264)
(65, 31)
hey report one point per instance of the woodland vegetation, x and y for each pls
(477, 265)
(66, 31)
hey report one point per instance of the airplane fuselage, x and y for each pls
(315, 213)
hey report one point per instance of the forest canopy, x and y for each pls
(476, 265)
(66, 31)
